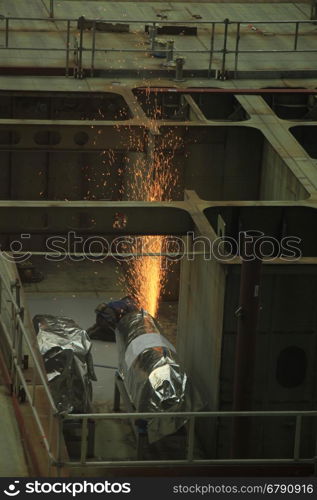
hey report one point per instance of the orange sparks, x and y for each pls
(148, 276)
(152, 180)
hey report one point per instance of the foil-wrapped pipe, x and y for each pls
(152, 375)
(66, 351)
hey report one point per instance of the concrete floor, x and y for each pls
(12, 460)
(48, 34)
(74, 290)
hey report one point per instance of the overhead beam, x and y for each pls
(61, 135)
(122, 218)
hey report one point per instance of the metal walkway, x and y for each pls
(232, 40)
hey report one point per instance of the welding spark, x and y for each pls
(153, 179)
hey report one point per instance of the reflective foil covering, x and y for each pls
(66, 351)
(151, 373)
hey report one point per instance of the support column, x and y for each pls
(247, 314)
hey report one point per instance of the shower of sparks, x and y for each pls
(146, 276)
(149, 177)
(153, 179)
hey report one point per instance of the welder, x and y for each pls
(108, 314)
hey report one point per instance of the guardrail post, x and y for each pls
(237, 50)
(59, 445)
(7, 33)
(298, 432)
(222, 75)
(67, 47)
(315, 459)
(93, 50)
(80, 48)
(191, 439)
(14, 333)
(212, 42)
(20, 338)
(296, 35)
(84, 440)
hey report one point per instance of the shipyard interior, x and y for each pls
(147, 151)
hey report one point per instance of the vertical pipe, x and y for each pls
(224, 49)
(93, 49)
(67, 47)
(7, 32)
(247, 312)
(237, 50)
(212, 42)
(296, 35)
(51, 8)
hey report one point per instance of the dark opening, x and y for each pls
(291, 367)
(307, 137)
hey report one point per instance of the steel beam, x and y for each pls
(94, 218)
(50, 135)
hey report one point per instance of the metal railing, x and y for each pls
(191, 418)
(220, 31)
(18, 342)
(18, 339)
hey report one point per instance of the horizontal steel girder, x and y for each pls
(94, 218)
(53, 136)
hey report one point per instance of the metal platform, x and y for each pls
(233, 40)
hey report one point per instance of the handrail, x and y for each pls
(192, 418)
(163, 21)
(25, 336)
(223, 48)
(189, 414)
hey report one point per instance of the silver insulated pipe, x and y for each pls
(151, 372)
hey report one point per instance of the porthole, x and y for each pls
(81, 138)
